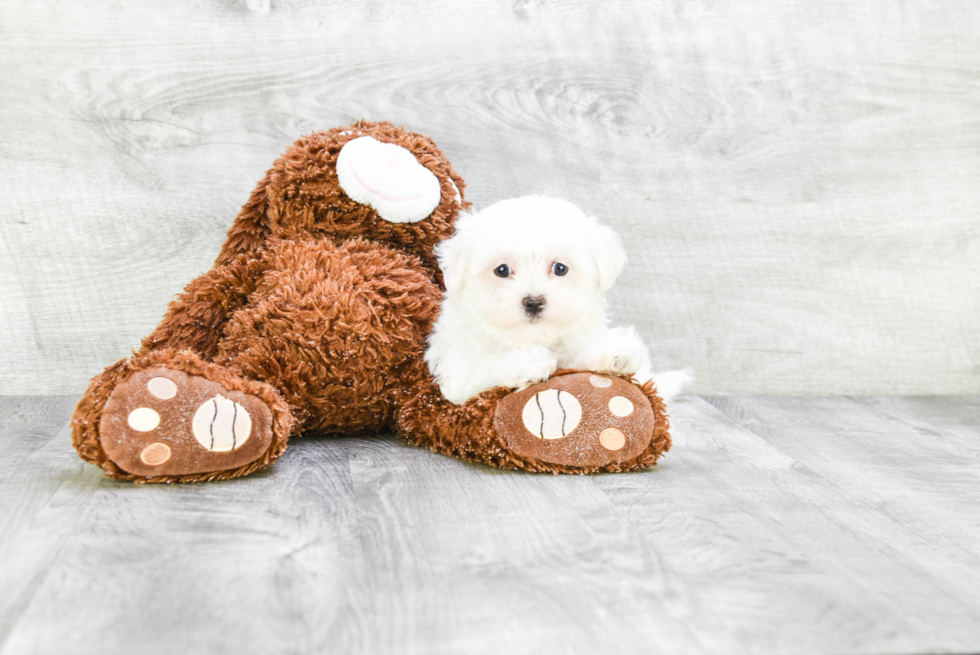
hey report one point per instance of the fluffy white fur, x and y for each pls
(488, 333)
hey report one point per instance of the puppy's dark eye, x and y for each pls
(559, 269)
(502, 271)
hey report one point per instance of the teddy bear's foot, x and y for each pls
(166, 422)
(172, 417)
(583, 423)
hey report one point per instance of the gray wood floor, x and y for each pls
(777, 525)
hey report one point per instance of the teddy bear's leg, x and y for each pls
(575, 422)
(170, 416)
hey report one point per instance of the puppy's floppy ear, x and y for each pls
(452, 253)
(608, 255)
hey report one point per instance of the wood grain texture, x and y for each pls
(94, 566)
(776, 525)
(796, 181)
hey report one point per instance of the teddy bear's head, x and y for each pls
(369, 180)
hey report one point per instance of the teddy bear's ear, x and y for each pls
(452, 253)
(608, 255)
(389, 178)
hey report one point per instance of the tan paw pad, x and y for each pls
(155, 454)
(612, 439)
(143, 419)
(552, 414)
(620, 406)
(221, 425)
(162, 388)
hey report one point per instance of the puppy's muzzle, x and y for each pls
(533, 306)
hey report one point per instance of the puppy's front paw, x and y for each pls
(619, 359)
(621, 364)
(522, 368)
(619, 351)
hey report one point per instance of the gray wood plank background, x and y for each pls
(777, 525)
(798, 182)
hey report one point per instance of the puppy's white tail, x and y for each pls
(672, 383)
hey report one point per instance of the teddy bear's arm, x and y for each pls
(196, 318)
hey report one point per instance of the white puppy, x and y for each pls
(525, 280)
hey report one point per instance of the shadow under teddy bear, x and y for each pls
(314, 319)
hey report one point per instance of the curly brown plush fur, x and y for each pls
(300, 194)
(319, 308)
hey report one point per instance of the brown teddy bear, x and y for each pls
(314, 319)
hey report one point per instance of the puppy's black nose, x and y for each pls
(533, 305)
